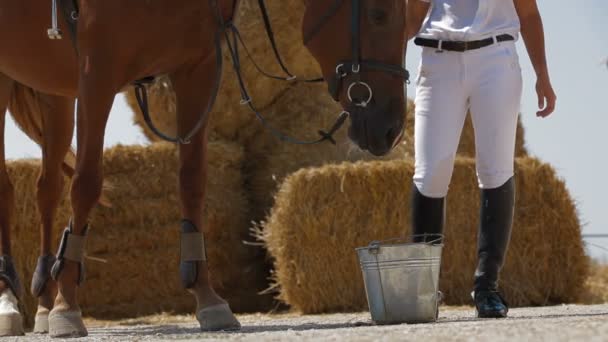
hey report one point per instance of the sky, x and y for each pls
(573, 139)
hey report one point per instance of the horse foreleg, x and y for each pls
(57, 128)
(11, 322)
(94, 103)
(213, 313)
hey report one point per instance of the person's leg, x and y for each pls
(441, 106)
(495, 103)
(496, 218)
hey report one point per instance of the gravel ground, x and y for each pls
(558, 323)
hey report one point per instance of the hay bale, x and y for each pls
(270, 160)
(322, 214)
(138, 237)
(229, 117)
(149, 211)
(596, 287)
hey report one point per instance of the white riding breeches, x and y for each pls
(488, 83)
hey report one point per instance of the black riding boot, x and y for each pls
(428, 217)
(496, 218)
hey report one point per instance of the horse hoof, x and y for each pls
(11, 322)
(41, 322)
(217, 318)
(11, 325)
(66, 324)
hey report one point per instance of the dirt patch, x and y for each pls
(557, 323)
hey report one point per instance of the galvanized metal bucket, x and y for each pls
(401, 281)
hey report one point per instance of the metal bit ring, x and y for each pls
(362, 103)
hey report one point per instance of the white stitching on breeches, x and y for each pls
(487, 82)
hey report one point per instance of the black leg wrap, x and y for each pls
(496, 219)
(71, 248)
(42, 274)
(8, 273)
(192, 252)
(428, 217)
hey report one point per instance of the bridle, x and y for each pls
(348, 69)
(352, 68)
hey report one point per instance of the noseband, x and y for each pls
(351, 69)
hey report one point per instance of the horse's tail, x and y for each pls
(25, 106)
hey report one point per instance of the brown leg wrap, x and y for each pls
(42, 274)
(71, 248)
(10, 276)
(192, 250)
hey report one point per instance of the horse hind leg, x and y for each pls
(57, 128)
(11, 321)
(213, 313)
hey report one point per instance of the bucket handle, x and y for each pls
(375, 245)
(437, 238)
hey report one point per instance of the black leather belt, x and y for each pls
(461, 46)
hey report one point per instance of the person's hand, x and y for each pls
(546, 96)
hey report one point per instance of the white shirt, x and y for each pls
(466, 20)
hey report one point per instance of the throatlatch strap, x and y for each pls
(193, 247)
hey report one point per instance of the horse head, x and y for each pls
(360, 47)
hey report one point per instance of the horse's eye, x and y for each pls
(378, 16)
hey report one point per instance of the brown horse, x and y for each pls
(358, 44)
